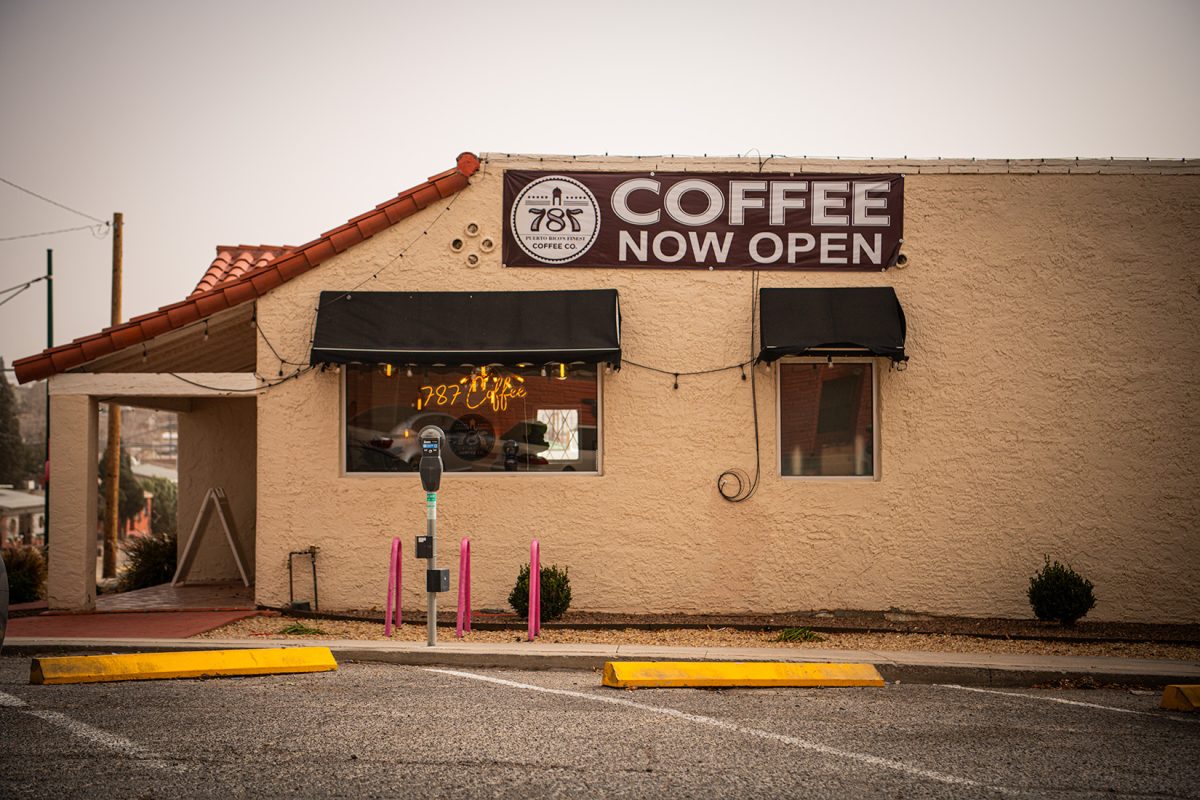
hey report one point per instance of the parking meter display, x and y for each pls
(431, 457)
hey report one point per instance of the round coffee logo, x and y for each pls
(555, 219)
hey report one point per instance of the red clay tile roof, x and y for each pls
(241, 274)
(234, 261)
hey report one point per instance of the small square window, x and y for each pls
(828, 420)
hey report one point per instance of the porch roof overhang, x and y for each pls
(171, 391)
(232, 288)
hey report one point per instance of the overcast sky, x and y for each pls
(245, 122)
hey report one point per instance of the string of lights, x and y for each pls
(395, 259)
(282, 361)
(1018, 166)
(686, 373)
(267, 383)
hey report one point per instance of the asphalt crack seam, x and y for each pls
(804, 744)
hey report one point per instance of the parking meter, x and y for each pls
(430, 467)
(432, 439)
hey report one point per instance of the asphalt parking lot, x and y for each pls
(390, 731)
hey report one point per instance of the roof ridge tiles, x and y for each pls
(219, 289)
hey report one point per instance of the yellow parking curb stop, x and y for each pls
(1179, 697)
(181, 664)
(662, 674)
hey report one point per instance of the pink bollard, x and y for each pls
(464, 589)
(468, 582)
(400, 576)
(393, 590)
(535, 590)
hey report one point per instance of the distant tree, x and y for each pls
(130, 501)
(12, 453)
(164, 505)
(35, 461)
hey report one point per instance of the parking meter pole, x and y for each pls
(431, 532)
(432, 439)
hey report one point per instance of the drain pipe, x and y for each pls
(311, 552)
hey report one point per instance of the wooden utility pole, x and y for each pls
(112, 520)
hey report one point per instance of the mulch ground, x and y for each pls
(835, 622)
(290, 627)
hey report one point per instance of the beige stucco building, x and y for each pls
(1049, 408)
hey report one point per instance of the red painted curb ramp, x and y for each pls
(123, 625)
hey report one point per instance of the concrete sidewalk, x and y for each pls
(973, 669)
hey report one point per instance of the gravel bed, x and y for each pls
(271, 627)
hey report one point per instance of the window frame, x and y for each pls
(876, 438)
(344, 472)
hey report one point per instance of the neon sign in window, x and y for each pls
(505, 419)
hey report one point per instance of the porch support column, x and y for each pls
(73, 503)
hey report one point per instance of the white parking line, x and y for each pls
(111, 741)
(105, 739)
(804, 744)
(1064, 701)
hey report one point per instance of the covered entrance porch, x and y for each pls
(204, 373)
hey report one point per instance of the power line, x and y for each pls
(17, 290)
(52, 202)
(99, 231)
(24, 285)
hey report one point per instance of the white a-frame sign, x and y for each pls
(216, 501)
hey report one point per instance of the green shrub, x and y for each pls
(1058, 592)
(26, 573)
(556, 592)
(164, 505)
(300, 629)
(150, 561)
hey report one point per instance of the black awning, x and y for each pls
(836, 322)
(455, 328)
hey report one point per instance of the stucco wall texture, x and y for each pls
(217, 449)
(71, 582)
(1050, 409)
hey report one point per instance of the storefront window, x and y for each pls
(827, 419)
(496, 419)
